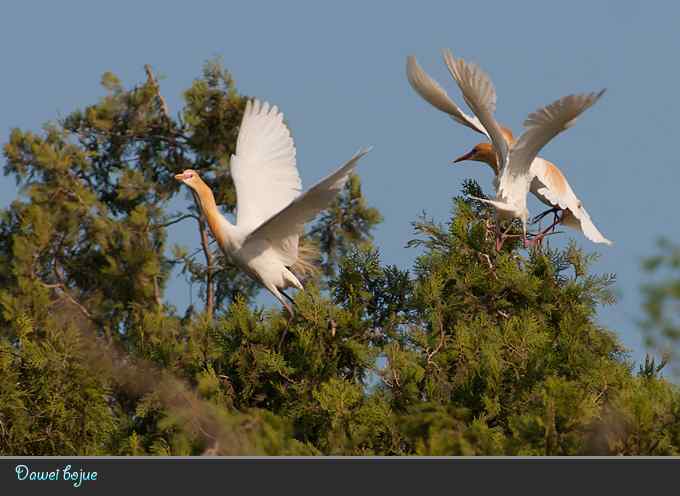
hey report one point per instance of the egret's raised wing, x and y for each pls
(480, 95)
(434, 94)
(555, 189)
(542, 126)
(586, 225)
(264, 169)
(291, 220)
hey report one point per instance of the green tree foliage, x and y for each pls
(662, 300)
(469, 352)
(505, 355)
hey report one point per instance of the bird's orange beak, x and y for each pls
(467, 156)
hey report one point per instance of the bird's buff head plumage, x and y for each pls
(483, 152)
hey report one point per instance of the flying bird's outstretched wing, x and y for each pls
(541, 126)
(552, 188)
(480, 95)
(264, 169)
(584, 222)
(292, 219)
(434, 94)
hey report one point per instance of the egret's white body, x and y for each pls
(515, 158)
(548, 183)
(271, 212)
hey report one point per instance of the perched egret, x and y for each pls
(515, 177)
(271, 212)
(548, 183)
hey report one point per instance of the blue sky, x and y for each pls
(337, 72)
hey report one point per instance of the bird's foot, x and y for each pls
(538, 237)
(540, 216)
(536, 241)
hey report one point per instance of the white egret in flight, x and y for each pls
(271, 212)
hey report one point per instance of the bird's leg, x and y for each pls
(290, 310)
(557, 219)
(553, 210)
(279, 295)
(538, 238)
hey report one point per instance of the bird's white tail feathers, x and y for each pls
(581, 221)
(502, 207)
(307, 264)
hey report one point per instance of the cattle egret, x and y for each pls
(548, 184)
(271, 212)
(515, 158)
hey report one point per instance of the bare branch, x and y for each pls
(209, 262)
(202, 225)
(157, 293)
(65, 294)
(442, 338)
(180, 219)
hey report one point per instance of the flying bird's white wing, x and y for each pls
(434, 94)
(542, 126)
(586, 226)
(292, 219)
(480, 95)
(551, 187)
(264, 168)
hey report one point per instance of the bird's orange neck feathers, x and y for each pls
(488, 155)
(484, 152)
(212, 214)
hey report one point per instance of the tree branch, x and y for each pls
(161, 101)
(209, 258)
(190, 255)
(209, 262)
(202, 226)
(157, 294)
(442, 338)
(65, 294)
(180, 219)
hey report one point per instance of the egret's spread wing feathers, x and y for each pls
(436, 96)
(552, 196)
(264, 168)
(292, 219)
(542, 126)
(586, 226)
(480, 95)
(575, 215)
